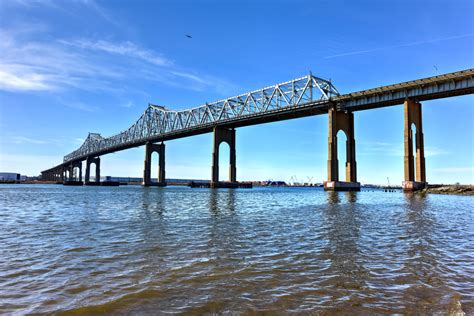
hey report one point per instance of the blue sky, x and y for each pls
(72, 67)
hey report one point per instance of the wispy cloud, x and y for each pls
(35, 140)
(71, 7)
(29, 64)
(127, 49)
(393, 149)
(99, 10)
(78, 105)
(365, 51)
(435, 151)
(454, 170)
(127, 105)
(26, 140)
(18, 78)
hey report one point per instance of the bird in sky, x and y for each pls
(188, 36)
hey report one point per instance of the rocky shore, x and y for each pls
(451, 189)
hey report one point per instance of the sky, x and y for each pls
(72, 67)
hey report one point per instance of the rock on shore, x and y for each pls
(451, 189)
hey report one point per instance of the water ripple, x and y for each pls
(94, 250)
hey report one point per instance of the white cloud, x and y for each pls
(394, 149)
(99, 10)
(26, 140)
(454, 170)
(127, 105)
(78, 105)
(127, 49)
(435, 40)
(14, 78)
(435, 151)
(29, 64)
(71, 7)
(58, 141)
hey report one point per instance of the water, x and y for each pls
(91, 250)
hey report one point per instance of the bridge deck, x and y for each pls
(295, 106)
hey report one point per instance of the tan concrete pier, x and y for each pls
(344, 121)
(227, 136)
(150, 148)
(414, 179)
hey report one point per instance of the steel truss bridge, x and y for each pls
(305, 96)
(158, 123)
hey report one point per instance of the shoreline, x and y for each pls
(449, 189)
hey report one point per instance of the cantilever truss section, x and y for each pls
(157, 120)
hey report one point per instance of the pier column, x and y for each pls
(150, 148)
(341, 120)
(78, 165)
(71, 172)
(89, 161)
(228, 136)
(80, 171)
(413, 179)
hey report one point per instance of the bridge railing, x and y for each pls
(157, 120)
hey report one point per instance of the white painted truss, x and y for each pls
(157, 120)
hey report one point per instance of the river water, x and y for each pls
(92, 250)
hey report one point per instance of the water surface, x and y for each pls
(278, 250)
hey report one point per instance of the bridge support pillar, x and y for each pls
(150, 148)
(71, 172)
(414, 180)
(339, 120)
(80, 170)
(77, 177)
(89, 161)
(228, 136)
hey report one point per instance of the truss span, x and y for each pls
(157, 120)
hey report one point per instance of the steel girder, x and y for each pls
(157, 120)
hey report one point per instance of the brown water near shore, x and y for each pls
(134, 250)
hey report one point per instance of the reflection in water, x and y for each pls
(426, 290)
(346, 272)
(153, 199)
(351, 196)
(134, 250)
(333, 197)
(222, 201)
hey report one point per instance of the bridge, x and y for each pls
(305, 96)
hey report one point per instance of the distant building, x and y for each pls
(136, 179)
(10, 176)
(276, 183)
(120, 179)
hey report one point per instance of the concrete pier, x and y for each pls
(227, 136)
(89, 161)
(150, 148)
(339, 120)
(413, 179)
